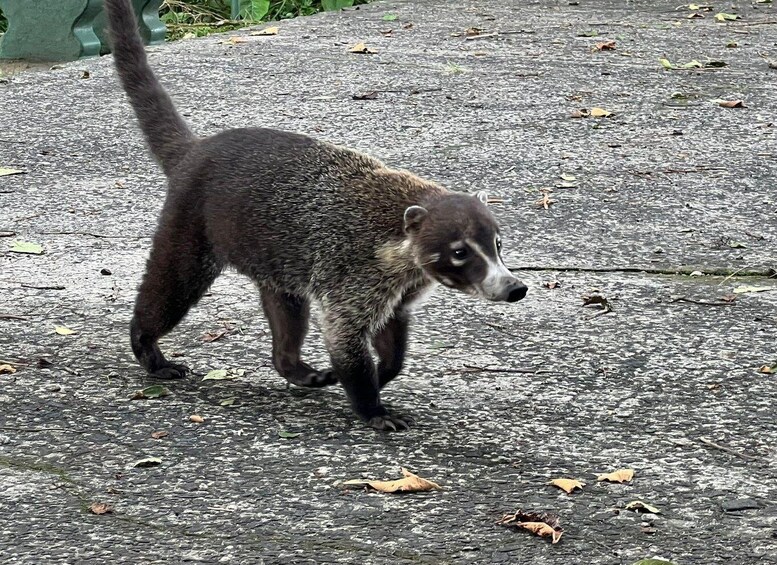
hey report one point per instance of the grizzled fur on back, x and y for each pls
(306, 220)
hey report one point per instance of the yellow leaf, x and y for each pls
(361, 47)
(236, 39)
(196, 418)
(619, 476)
(600, 113)
(63, 330)
(266, 31)
(10, 369)
(411, 483)
(567, 485)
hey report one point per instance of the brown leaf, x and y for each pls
(605, 46)
(542, 524)
(728, 297)
(7, 369)
(581, 113)
(567, 485)
(100, 508)
(371, 95)
(196, 418)
(619, 476)
(235, 39)
(731, 104)
(159, 435)
(472, 31)
(362, 48)
(597, 300)
(387, 32)
(768, 369)
(214, 335)
(546, 201)
(551, 284)
(411, 483)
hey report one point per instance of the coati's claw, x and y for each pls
(170, 372)
(388, 423)
(313, 379)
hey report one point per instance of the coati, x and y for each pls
(306, 220)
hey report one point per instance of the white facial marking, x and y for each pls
(496, 273)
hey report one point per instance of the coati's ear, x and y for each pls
(414, 215)
(482, 195)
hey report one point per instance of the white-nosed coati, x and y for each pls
(306, 220)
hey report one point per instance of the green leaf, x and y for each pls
(666, 64)
(737, 245)
(692, 65)
(286, 435)
(228, 401)
(253, 10)
(5, 172)
(722, 17)
(389, 17)
(331, 5)
(26, 247)
(218, 375)
(148, 462)
(154, 391)
(567, 177)
(654, 562)
(63, 330)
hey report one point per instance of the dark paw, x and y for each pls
(389, 423)
(170, 371)
(312, 378)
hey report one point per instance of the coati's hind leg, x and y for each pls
(288, 316)
(353, 365)
(390, 344)
(179, 271)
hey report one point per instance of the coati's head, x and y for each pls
(456, 242)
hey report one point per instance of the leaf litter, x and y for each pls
(410, 483)
(543, 524)
(567, 485)
(619, 476)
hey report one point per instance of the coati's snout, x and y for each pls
(456, 242)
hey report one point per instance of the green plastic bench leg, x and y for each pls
(50, 31)
(152, 30)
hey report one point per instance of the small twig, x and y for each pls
(36, 287)
(482, 36)
(708, 271)
(91, 234)
(749, 24)
(702, 302)
(12, 317)
(474, 368)
(710, 443)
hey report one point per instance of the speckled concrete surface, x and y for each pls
(664, 185)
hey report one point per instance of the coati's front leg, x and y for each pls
(288, 316)
(348, 347)
(390, 344)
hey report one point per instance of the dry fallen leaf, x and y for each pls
(605, 46)
(473, 31)
(600, 113)
(731, 104)
(100, 508)
(7, 369)
(551, 284)
(235, 39)
(546, 201)
(639, 506)
(619, 476)
(266, 31)
(62, 330)
(765, 369)
(411, 483)
(196, 418)
(597, 300)
(542, 524)
(567, 485)
(159, 435)
(361, 47)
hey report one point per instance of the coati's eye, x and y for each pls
(461, 253)
(498, 245)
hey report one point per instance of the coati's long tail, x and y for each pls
(167, 134)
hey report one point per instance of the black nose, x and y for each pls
(516, 292)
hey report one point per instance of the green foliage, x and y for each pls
(203, 17)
